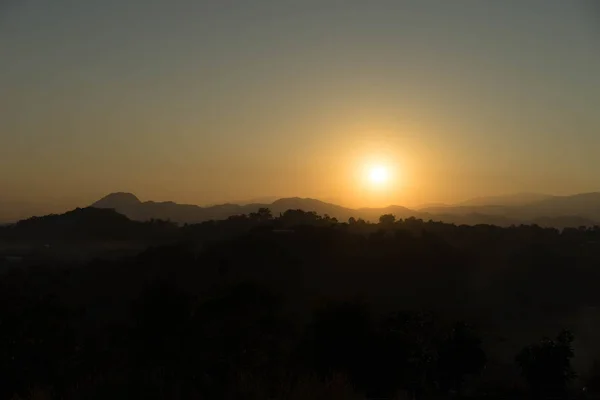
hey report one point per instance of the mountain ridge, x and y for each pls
(558, 211)
(514, 199)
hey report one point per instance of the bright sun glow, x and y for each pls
(379, 175)
(378, 180)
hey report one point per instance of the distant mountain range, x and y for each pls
(523, 208)
(517, 199)
(526, 208)
(129, 205)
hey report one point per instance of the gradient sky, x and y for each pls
(211, 101)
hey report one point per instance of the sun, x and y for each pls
(379, 175)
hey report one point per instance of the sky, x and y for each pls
(204, 102)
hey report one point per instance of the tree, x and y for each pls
(547, 366)
(387, 219)
(459, 355)
(351, 221)
(300, 217)
(328, 220)
(263, 214)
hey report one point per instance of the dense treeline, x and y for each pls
(302, 306)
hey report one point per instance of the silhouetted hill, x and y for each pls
(81, 223)
(585, 205)
(557, 211)
(256, 200)
(129, 205)
(517, 199)
(563, 222)
(373, 214)
(117, 201)
(465, 210)
(469, 216)
(85, 224)
(320, 207)
(12, 211)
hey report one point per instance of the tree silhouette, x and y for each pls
(547, 366)
(460, 355)
(231, 316)
(387, 219)
(262, 215)
(300, 217)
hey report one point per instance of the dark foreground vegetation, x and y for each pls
(297, 307)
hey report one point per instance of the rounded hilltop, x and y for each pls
(117, 201)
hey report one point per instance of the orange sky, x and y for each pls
(201, 103)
